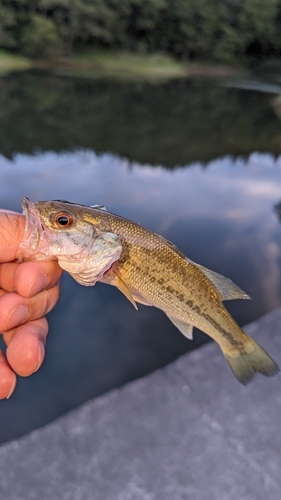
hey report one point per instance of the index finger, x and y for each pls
(32, 277)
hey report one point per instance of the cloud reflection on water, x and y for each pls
(220, 215)
(239, 194)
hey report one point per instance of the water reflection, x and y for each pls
(218, 212)
(221, 216)
(175, 123)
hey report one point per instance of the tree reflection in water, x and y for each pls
(171, 124)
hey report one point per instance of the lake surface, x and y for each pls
(195, 162)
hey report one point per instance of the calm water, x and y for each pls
(194, 162)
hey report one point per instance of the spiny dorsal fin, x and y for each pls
(184, 328)
(226, 288)
(99, 207)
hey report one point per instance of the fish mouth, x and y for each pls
(34, 228)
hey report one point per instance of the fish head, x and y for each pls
(53, 228)
(71, 234)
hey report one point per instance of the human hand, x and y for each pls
(28, 291)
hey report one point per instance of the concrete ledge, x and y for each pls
(188, 431)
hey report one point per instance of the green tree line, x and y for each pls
(222, 30)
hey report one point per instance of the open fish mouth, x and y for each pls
(34, 232)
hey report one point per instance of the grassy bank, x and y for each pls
(10, 62)
(121, 65)
(131, 66)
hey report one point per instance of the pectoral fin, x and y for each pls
(114, 277)
(121, 285)
(226, 288)
(184, 328)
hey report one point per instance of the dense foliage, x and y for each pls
(221, 30)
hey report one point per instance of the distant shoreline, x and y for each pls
(120, 65)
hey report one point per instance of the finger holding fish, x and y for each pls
(24, 330)
(33, 277)
(24, 355)
(7, 273)
(8, 378)
(29, 278)
(12, 227)
(17, 310)
(27, 329)
(26, 347)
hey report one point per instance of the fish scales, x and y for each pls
(95, 245)
(173, 292)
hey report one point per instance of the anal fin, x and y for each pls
(184, 328)
(141, 300)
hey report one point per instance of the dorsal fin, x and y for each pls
(226, 288)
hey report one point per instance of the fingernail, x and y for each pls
(13, 386)
(38, 284)
(16, 317)
(41, 355)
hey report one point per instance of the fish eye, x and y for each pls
(63, 219)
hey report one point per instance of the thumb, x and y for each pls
(12, 227)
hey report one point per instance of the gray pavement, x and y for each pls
(188, 431)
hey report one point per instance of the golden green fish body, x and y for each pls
(148, 269)
(158, 274)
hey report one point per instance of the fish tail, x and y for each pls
(245, 364)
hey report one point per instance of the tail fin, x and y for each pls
(247, 363)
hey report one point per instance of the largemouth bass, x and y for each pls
(93, 245)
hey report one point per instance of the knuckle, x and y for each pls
(49, 299)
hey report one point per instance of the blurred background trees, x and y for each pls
(220, 30)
